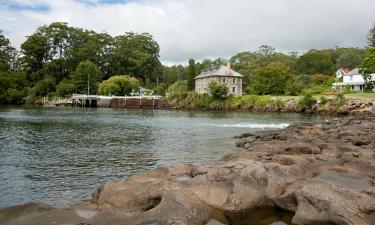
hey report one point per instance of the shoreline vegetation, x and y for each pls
(59, 60)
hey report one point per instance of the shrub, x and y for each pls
(307, 101)
(340, 100)
(43, 87)
(65, 88)
(120, 85)
(323, 100)
(217, 91)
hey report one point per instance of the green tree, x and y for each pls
(8, 54)
(119, 85)
(371, 37)
(368, 68)
(217, 91)
(85, 78)
(65, 88)
(191, 74)
(349, 57)
(136, 55)
(44, 87)
(274, 78)
(316, 62)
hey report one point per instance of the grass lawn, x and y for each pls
(370, 96)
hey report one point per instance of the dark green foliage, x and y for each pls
(44, 87)
(217, 91)
(86, 78)
(274, 79)
(316, 62)
(8, 54)
(65, 88)
(191, 75)
(119, 85)
(307, 101)
(136, 55)
(368, 68)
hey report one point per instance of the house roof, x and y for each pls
(353, 72)
(222, 71)
(345, 70)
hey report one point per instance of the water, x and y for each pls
(58, 156)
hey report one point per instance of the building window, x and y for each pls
(234, 80)
(233, 89)
(223, 80)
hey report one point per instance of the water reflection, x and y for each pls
(58, 156)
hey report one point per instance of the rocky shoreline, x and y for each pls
(308, 173)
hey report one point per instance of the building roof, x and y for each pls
(222, 71)
(345, 70)
(353, 72)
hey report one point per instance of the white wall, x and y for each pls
(353, 78)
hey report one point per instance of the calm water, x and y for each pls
(59, 156)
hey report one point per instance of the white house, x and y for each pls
(354, 80)
(223, 75)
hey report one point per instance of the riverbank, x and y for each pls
(308, 173)
(321, 104)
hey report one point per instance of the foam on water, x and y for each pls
(252, 125)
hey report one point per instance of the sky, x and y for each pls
(203, 28)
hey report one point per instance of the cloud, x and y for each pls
(204, 28)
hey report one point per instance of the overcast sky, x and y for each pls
(203, 28)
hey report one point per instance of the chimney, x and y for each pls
(228, 66)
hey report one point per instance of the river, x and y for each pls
(58, 156)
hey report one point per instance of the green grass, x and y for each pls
(370, 96)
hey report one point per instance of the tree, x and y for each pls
(85, 78)
(119, 85)
(274, 78)
(8, 54)
(65, 88)
(217, 91)
(316, 62)
(191, 74)
(371, 37)
(137, 55)
(368, 68)
(349, 57)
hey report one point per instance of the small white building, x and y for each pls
(354, 80)
(224, 75)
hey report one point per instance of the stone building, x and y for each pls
(223, 75)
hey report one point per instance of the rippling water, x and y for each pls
(58, 156)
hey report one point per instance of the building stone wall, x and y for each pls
(234, 84)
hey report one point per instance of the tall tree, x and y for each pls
(191, 74)
(86, 77)
(371, 37)
(316, 62)
(368, 68)
(137, 55)
(8, 54)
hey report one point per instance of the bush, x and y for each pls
(178, 91)
(307, 101)
(119, 85)
(65, 88)
(340, 100)
(217, 91)
(43, 87)
(323, 100)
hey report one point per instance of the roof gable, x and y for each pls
(221, 71)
